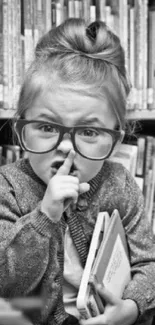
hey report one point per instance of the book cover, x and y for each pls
(109, 266)
(112, 267)
(86, 302)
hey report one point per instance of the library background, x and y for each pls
(23, 22)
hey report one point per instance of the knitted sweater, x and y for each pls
(32, 246)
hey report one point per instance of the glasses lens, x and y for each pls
(39, 136)
(93, 143)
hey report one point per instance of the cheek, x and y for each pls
(40, 165)
(90, 169)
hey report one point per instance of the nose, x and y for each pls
(66, 144)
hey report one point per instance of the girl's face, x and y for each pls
(69, 109)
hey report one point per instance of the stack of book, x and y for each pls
(107, 264)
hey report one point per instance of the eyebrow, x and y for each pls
(45, 117)
(80, 122)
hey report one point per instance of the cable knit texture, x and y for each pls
(32, 246)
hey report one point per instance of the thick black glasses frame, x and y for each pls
(20, 123)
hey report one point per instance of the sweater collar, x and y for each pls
(85, 198)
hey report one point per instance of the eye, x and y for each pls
(49, 128)
(89, 132)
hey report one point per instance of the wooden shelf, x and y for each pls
(141, 114)
(6, 113)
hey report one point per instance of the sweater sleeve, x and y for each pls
(141, 250)
(24, 244)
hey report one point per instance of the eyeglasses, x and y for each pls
(90, 142)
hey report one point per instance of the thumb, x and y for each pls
(106, 295)
(84, 187)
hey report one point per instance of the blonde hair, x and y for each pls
(89, 59)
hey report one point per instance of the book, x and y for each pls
(147, 165)
(11, 153)
(1, 54)
(140, 182)
(100, 9)
(107, 263)
(141, 144)
(85, 290)
(127, 156)
(151, 58)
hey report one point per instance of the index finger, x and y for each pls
(66, 166)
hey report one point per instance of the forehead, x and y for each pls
(70, 107)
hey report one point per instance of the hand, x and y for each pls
(117, 311)
(62, 190)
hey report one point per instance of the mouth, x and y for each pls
(57, 164)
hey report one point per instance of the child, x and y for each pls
(70, 118)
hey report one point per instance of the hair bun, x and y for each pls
(91, 30)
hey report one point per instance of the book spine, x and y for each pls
(35, 28)
(39, 18)
(123, 21)
(10, 54)
(151, 58)
(109, 17)
(151, 190)
(148, 159)
(53, 13)
(85, 312)
(86, 10)
(47, 15)
(28, 38)
(141, 143)
(77, 7)
(19, 56)
(132, 45)
(92, 13)
(14, 45)
(139, 43)
(93, 306)
(1, 54)
(59, 7)
(145, 52)
(5, 54)
(100, 9)
(1, 155)
(71, 9)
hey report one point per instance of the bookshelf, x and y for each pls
(22, 23)
(5, 114)
(141, 115)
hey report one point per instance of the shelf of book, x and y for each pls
(7, 113)
(141, 114)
